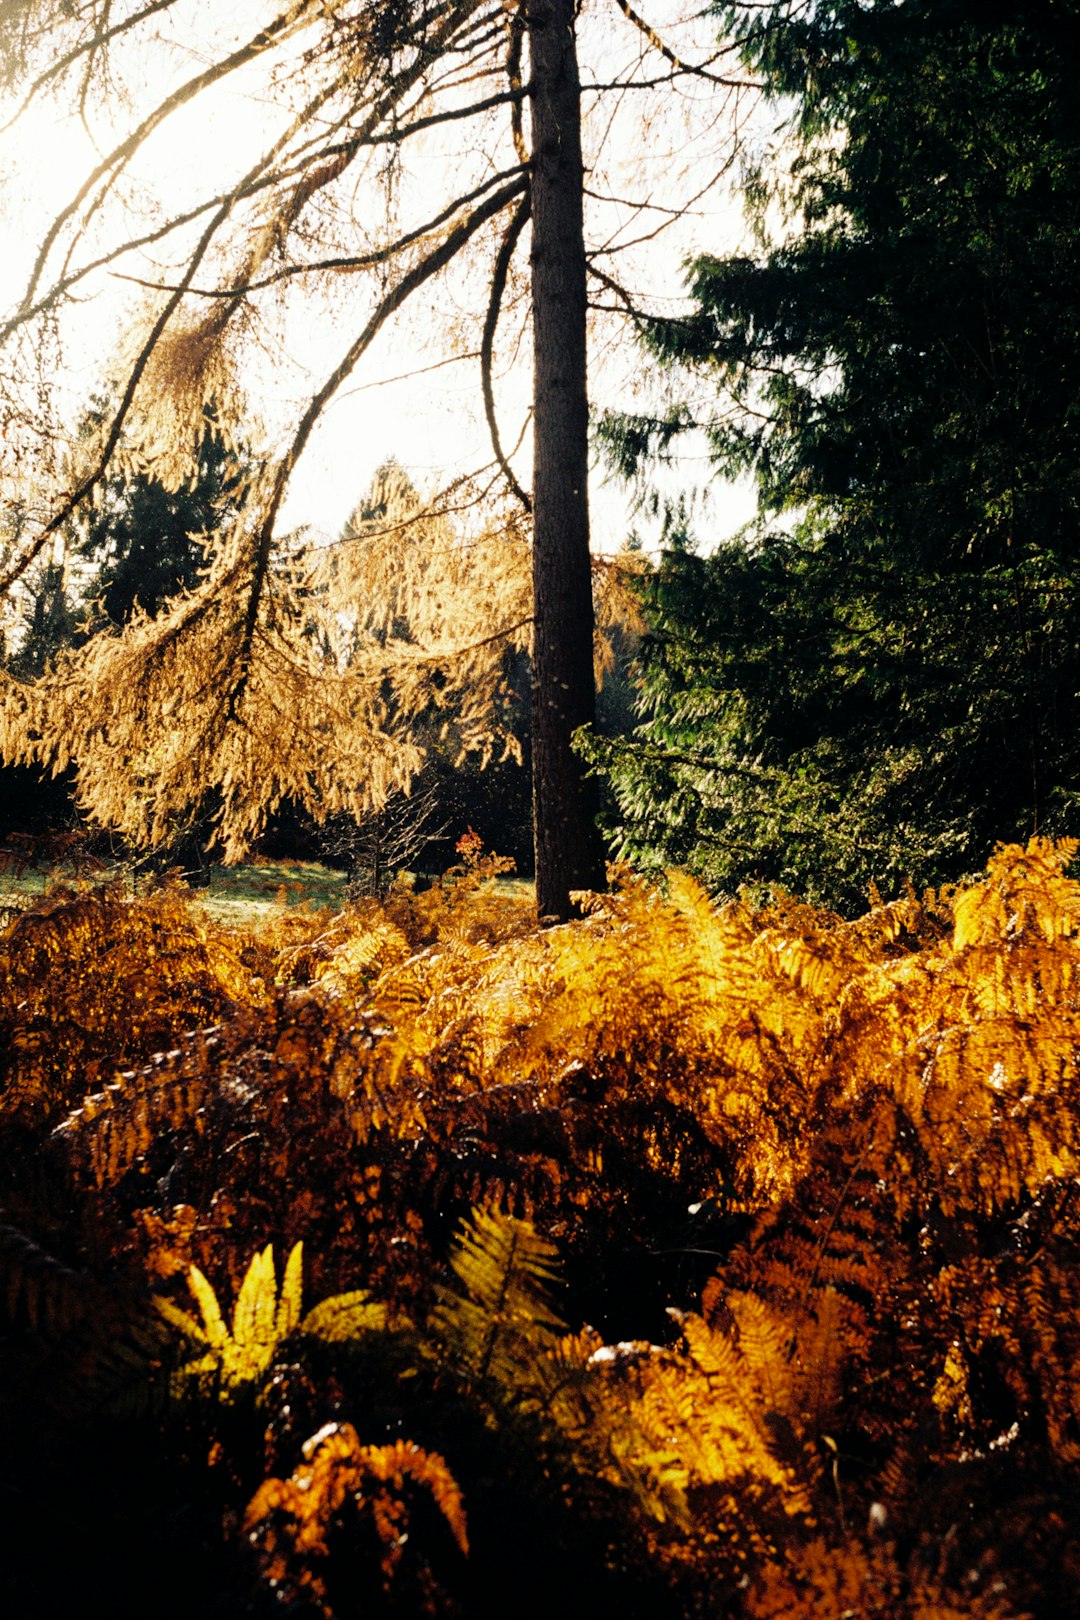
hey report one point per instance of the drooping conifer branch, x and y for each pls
(88, 483)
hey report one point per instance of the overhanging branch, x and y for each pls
(487, 343)
(85, 47)
(89, 483)
(649, 33)
(415, 278)
(348, 261)
(113, 164)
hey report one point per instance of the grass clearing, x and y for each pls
(239, 896)
(235, 897)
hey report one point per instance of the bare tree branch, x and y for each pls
(348, 261)
(59, 289)
(83, 488)
(653, 38)
(625, 298)
(516, 28)
(612, 246)
(58, 68)
(112, 165)
(487, 346)
(256, 180)
(420, 273)
(401, 132)
(93, 478)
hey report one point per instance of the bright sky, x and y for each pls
(431, 422)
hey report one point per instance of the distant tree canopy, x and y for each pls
(881, 678)
(459, 785)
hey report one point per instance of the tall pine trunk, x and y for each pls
(568, 850)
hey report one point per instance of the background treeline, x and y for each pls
(140, 545)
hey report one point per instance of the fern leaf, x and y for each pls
(504, 1262)
(49, 1294)
(253, 1316)
(292, 1285)
(214, 1329)
(505, 1313)
(344, 1316)
(342, 1489)
(180, 1319)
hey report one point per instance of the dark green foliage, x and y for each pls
(29, 798)
(817, 724)
(141, 544)
(52, 623)
(145, 541)
(889, 682)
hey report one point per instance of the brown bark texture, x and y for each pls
(569, 854)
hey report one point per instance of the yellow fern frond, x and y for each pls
(262, 1317)
(1025, 891)
(189, 1327)
(260, 1321)
(345, 1316)
(256, 1303)
(214, 1330)
(292, 1284)
(504, 1319)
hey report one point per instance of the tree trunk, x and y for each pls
(568, 849)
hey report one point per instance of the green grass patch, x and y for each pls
(240, 895)
(236, 897)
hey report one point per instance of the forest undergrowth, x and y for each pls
(686, 1260)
